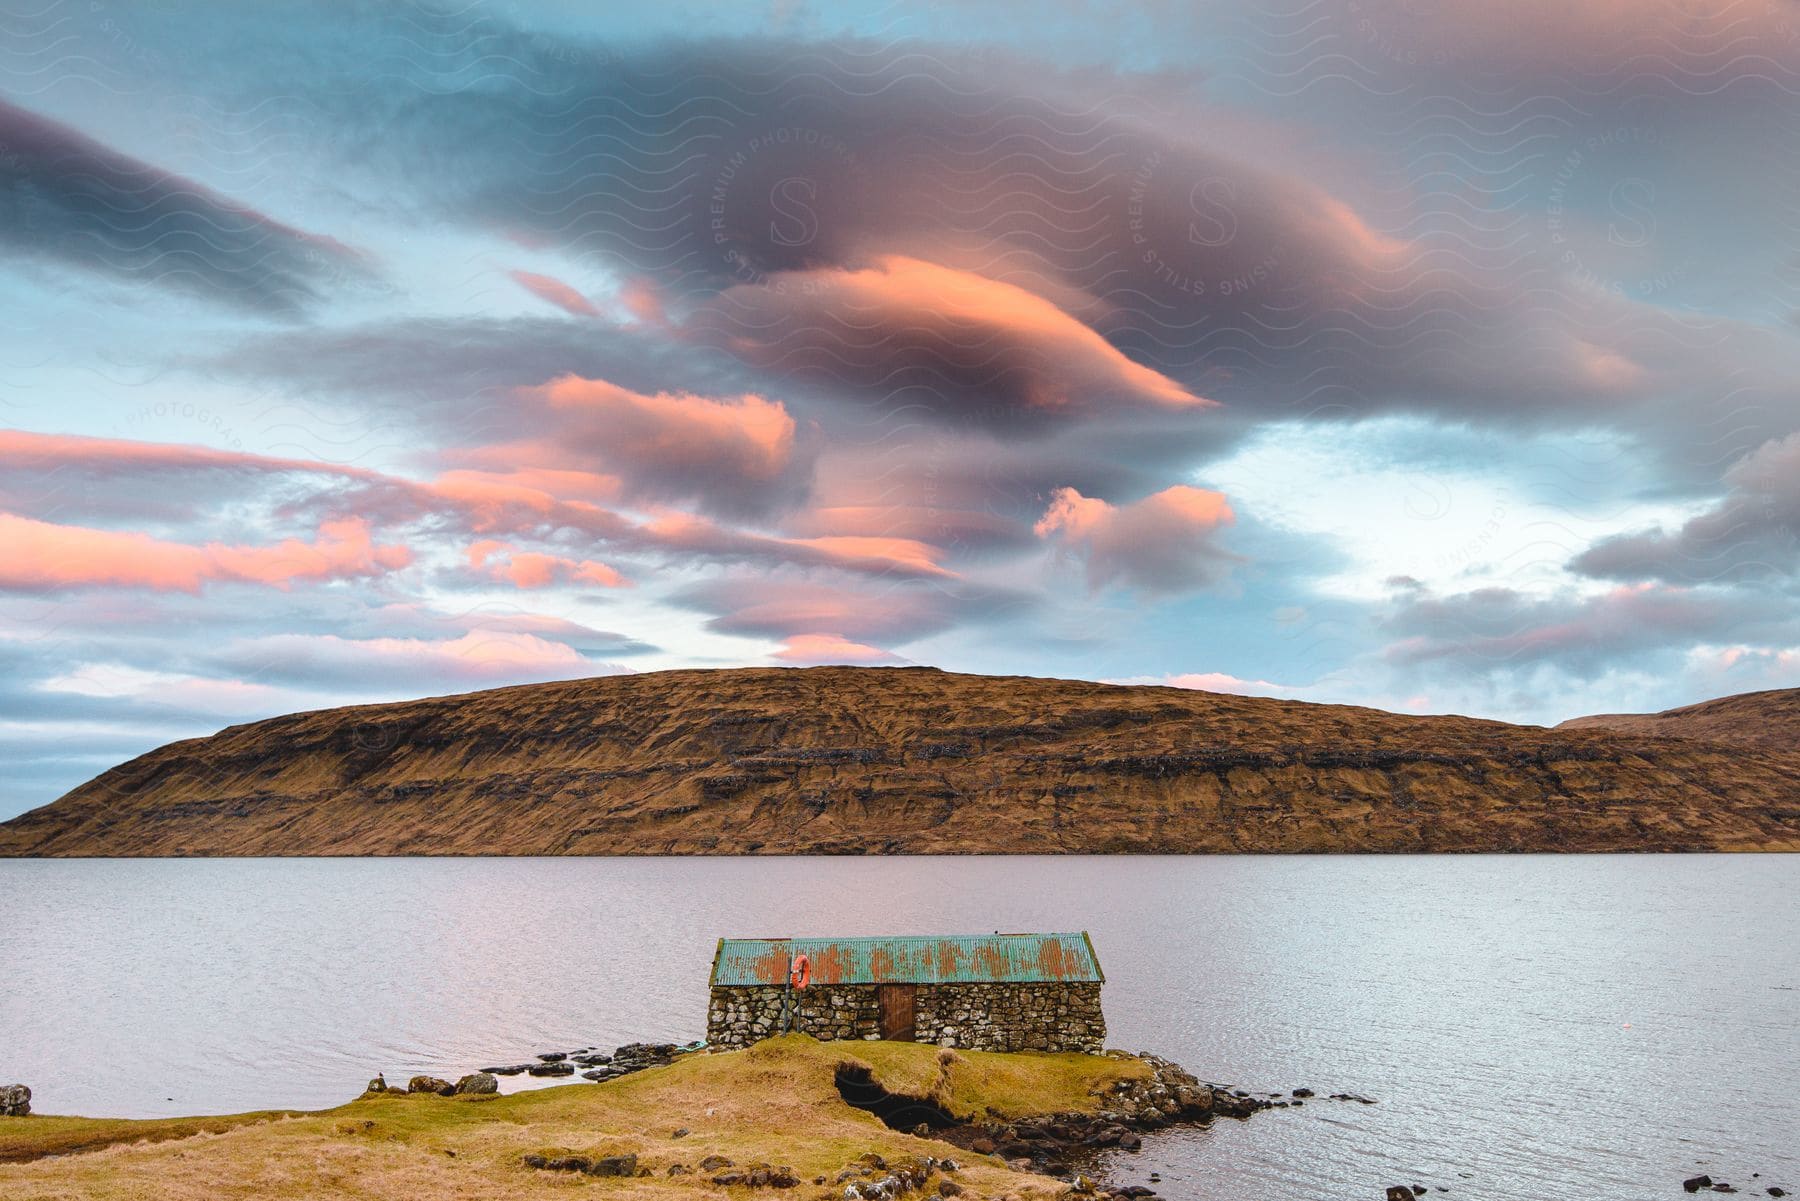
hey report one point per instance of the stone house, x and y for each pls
(985, 992)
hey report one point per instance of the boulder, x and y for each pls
(15, 1101)
(551, 1069)
(1694, 1184)
(553, 1056)
(377, 1085)
(1399, 1192)
(430, 1084)
(570, 1163)
(713, 1163)
(613, 1165)
(477, 1084)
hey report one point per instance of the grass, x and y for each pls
(775, 1102)
(975, 1084)
(24, 1139)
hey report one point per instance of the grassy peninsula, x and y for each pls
(776, 1103)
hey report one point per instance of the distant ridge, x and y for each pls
(1769, 720)
(912, 760)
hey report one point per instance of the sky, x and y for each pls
(1441, 357)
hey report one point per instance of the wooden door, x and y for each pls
(897, 1014)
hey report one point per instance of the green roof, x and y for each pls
(912, 959)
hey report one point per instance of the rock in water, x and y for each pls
(15, 1101)
(1694, 1184)
(477, 1083)
(1399, 1192)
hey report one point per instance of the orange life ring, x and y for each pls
(800, 974)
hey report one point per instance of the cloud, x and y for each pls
(1504, 629)
(671, 434)
(412, 619)
(1753, 531)
(734, 454)
(904, 323)
(1670, 47)
(533, 569)
(40, 556)
(1216, 681)
(72, 476)
(821, 649)
(386, 665)
(553, 291)
(1162, 543)
(67, 199)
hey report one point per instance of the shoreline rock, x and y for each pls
(15, 1101)
(1062, 1143)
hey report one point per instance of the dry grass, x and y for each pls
(775, 1102)
(24, 1139)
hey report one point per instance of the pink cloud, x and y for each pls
(39, 555)
(534, 569)
(746, 435)
(739, 454)
(819, 649)
(478, 657)
(547, 487)
(909, 553)
(874, 324)
(643, 303)
(22, 448)
(1218, 681)
(866, 555)
(551, 290)
(1164, 542)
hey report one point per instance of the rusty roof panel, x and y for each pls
(912, 959)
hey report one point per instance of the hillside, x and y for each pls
(913, 760)
(1769, 720)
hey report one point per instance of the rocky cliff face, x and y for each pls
(854, 760)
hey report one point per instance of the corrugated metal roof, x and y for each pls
(912, 959)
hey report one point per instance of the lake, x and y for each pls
(1597, 1026)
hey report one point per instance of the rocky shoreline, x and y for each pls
(1065, 1145)
(1061, 1145)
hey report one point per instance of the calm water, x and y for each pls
(1533, 1027)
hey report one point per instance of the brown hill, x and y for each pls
(1770, 720)
(850, 760)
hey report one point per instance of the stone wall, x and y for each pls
(1012, 1017)
(980, 1017)
(737, 1017)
